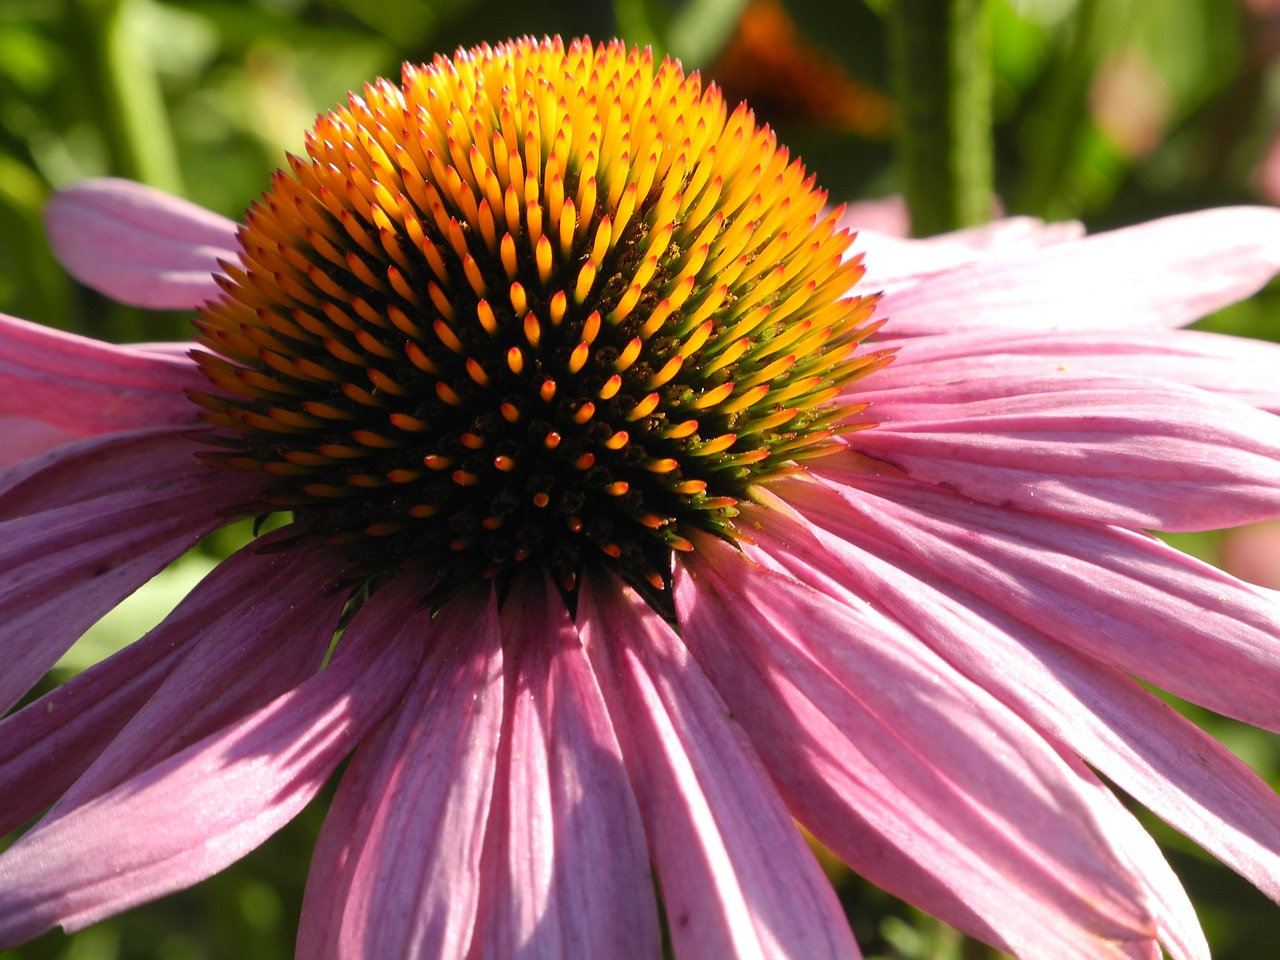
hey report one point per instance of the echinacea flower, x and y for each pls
(643, 540)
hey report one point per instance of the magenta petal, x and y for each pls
(873, 739)
(138, 245)
(396, 872)
(207, 806)
(25, 437)
(1165, 273)
(567, 870)
(1122, 598)
(86, 387)
(1244, 370)
(737, 879)
(83, 526)
(1138, 453)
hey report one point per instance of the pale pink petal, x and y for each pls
(138, 245)
(396, 871)
(215, 801)
(84, 525)
(1123, 598)
(1165, 273)
(273, 631)
(866, 731)
(1145, 747)
(84, 386)
(894, 262)
(1138, 453)
(737, 880)
(1242, 369)
(886, 215)
(566, 870)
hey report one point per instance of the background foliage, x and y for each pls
(1110, 111)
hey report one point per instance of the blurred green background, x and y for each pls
(1109, 111)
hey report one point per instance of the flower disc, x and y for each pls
(535, 303)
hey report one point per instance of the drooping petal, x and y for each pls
(272, 634)
(1235, 367)
(85, 387)
(1165, 273)
(1122, 598)
(215, 801)
(567, 870)
(1080, 705)
(874, 740)
(1146, 748)
(396, 871)
(1138, 453)
(223, 628)
(737, 879)
(84, 525)
(139, 245)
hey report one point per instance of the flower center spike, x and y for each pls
(535, 304)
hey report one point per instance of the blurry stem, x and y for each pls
(133, 114)
(942, 73)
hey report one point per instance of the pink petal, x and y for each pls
(276, 623)
(1165, 273)
(396, 871)
(737, 879)
(872, 740)
(83, 386)
(83, 526)
(203, 808)
(1244, 370)
(1138, 453)
(1121, 598)
(567, 871)
(1150, 751)
(138, 245)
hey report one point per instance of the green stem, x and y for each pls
(133, 113)
(942, 72)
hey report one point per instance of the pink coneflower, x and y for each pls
(638, 547)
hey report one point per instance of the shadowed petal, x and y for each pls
(46, 745)
(138, 245)
(737, 879)
(1139, 453)
(1244, 370)
(83, 526)
(268, 637)
(84, 386)
(396, 871)
(864, 730)
(1144, 746)
(1165, 273)
(215, 801)
(567, 868)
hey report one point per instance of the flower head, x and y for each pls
(538, 305)
(637, 548)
